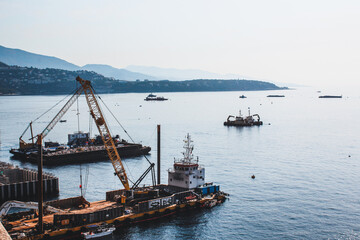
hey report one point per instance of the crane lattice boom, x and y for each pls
(109, 144)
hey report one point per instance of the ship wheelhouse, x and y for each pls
(186, 172)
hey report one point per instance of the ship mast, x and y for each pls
(188, 153)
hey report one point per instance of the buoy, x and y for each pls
(253, 176)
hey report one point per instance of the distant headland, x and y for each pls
(15, 80)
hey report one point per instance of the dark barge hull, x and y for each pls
(242, 124)
(330, 96)
(128, 150)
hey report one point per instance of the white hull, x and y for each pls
(91, 235)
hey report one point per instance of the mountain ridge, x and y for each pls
(13, 56)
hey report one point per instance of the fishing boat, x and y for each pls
(152, 97)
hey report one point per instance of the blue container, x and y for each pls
(204, 190)
(212, 189)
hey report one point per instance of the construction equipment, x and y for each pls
(4, 209)
(95, 111)
(98, 117)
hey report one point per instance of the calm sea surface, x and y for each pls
(306, 159)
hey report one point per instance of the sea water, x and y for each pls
(305, 158)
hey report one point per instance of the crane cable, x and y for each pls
(55, 105)
(120, 124)
(121, 127)
(152, 170)
(47, 112)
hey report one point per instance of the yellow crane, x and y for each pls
(98, 117)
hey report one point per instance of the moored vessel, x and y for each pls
(331, 96)
(95, 231)
(72, 217)
(153, 97)
(85, 149)
(240, 121)
(275, 95)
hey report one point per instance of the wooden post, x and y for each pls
(158, 154)
(40, 184)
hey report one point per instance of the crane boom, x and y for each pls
(109, 144)
(97, 115)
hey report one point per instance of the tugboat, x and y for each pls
(243, 121)
(152, 97)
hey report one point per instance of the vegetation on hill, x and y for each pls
(49, 81)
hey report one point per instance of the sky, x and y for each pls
(307, 42)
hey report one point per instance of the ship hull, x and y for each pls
(242, 124)
(83, 155)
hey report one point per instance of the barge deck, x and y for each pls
(81, 154)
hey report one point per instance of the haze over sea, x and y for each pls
(306, 159)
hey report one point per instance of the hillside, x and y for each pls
(3, 65)
(35, 81)
(26, 59)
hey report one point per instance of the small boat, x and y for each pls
(275, 95)
(153, 97)
(242, 96)
(210, 203)
(96, 231)
(62, 121)
(330, 96)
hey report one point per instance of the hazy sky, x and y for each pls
(307, 42)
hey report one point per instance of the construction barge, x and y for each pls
(56, 154)
(240, 121)
(68, 218)
(80, 147)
